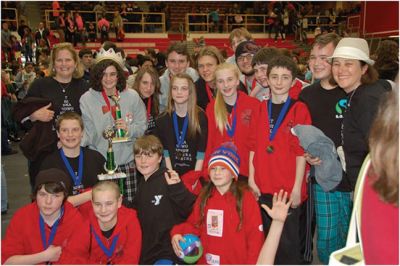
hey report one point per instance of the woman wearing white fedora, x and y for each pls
(353, 71)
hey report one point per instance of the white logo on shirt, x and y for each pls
(157, 199)
(212, 259)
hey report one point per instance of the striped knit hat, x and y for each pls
(226, 156)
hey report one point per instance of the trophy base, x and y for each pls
(119, 140)
(113, 176)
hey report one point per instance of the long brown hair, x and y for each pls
(192, 108)
(236, 188)
(384, 149)
(156, 81)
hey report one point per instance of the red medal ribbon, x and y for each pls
(112, 108)
(209, 93)
(253, 84)
(148, 108)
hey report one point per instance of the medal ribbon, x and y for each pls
(52, 232)
(180, 138)
(77, 179)
(148, 108)
(230, 129)
(108, 251)
(281, 115)
(209, 93)
(105, 97)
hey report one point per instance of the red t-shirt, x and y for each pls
(379, 228)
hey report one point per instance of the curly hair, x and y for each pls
(97, 73)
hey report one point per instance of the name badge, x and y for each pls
(215, 222)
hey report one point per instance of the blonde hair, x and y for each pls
(192, 108)
(220, 111)
(78, 72)
(210, 51)
(104, 186)
(148, 144)
(240, 32)
(384, 149)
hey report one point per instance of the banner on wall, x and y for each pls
(380, 18)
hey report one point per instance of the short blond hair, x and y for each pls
(104, 186)
(78, 73)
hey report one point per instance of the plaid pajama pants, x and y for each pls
(130, 184)
(333, 211)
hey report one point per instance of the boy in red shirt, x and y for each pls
(48, 230)
(116, 237)
(277, 161)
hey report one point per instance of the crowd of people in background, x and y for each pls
(213, 146)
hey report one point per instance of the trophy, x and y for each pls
(120, 135)
(110, 166)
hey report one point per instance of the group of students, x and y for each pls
(198, 148)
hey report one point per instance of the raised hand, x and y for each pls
(172, 177)
(280, 206)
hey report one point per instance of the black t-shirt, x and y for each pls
(276, 110)
(201, 91)
(107, 234)
(357, 121)
(326, 108)
(49, 88)
(152, 119)
(183, 159)
(93, 164)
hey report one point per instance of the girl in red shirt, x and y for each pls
(229, 117)
(226, 216)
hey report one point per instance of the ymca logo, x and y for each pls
(156, 200)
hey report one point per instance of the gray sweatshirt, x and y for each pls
(95, 121)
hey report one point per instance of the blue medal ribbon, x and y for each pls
(230, 129)
(108, 251)
(281, 115)
(180, 138)
(53, 231)
(77, 179)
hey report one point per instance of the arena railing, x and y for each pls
(14, 11)
(256, 23)
(142, 19)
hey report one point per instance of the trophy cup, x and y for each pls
(120, 135)
(110, 166)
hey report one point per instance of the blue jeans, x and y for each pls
(4, 197)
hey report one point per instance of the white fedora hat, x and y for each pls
(353, 48)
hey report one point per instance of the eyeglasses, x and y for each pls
(248, 57)
(144, 155)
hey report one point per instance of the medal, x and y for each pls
(180, 138)
(270, 149)
(281, 116)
